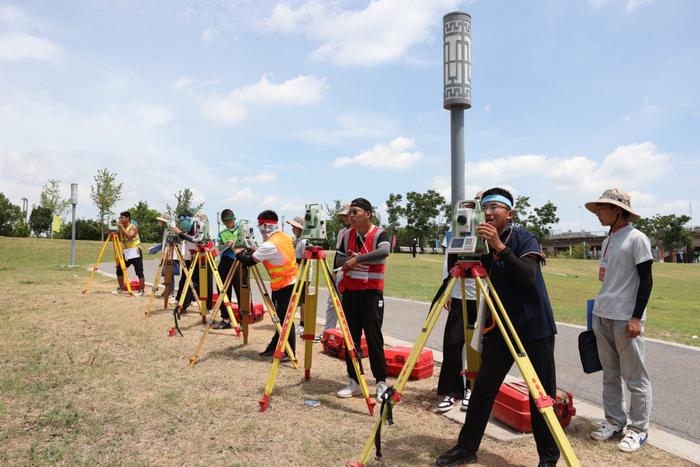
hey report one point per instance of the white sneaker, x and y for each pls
(606, 431)
(300, 329)
(118, 291)
(465, 401)
(632, 441)
(447, 403)
(139, 293)
(352, 389)
(381, 389)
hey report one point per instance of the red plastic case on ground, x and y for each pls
(257, 313)
(512, 406)
(334, 344)
(135, 285)
(396, 358)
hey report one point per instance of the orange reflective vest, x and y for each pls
(285, 273)
(368, 275)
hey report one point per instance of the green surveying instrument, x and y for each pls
(314, 259)
(465, 250)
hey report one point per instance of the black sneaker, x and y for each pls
(267, 353)
(223, 324)
(456, 456)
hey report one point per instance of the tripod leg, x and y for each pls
(222, 290)
(311, 302)
(544, 402)
(156, 281)
(244, 307)
(97, 264)
(119, 256)
(203, 286)
(284, 335)
(272, 312)
(349, 344)
(214, 313)
(405, 373)
(168, 279)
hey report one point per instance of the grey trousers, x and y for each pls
(623, 361)
(331, 318)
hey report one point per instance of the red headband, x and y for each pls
(266, 221)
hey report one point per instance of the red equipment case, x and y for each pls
(512, 406)
(135, 285)
(334, 344)
(396, 358)
(257, 313)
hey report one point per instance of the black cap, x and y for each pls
(362, 204)
(268, 215)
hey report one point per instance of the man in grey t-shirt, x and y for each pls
(618, 321)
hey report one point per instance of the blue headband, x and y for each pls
(497, 199)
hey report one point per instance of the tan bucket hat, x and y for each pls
(344, 211)
(165, 217)
(616, 197)
(297, 222)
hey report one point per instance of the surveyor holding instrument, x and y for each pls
(277, 255)
(228, 237)
(365, 248)
(128, 235)
(514, 269)
(619, 312)
(297, 225)
(190, 230)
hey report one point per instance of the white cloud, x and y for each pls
(243, 194)
(628, 166)
(634, 4)
(269, 200)
(186, 84)
(382, 32)
(398, 154)
(231, 109)
(152, 115)
(350, 126)
(208, 35)
(10, 14)
(20, 46)
(263, 177)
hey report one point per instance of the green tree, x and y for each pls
(421, 213)
(40, 220)
(21, 229)
(149, 229)
(541, 220)
(105, 193)
(51, 199)
(10, 214)
(667, 231)
(184, 203)
(333, 224)
(85, 229)
(520, 210)
(394, 211)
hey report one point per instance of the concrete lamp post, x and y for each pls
(457, 91)
(74, 202)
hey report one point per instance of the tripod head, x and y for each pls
(465, 244)
(314, 223)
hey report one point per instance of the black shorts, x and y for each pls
(137, 263)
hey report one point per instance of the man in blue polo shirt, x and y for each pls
(514, 269)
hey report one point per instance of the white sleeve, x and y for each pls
(641, 249)
(266, 251)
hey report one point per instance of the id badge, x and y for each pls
(602, 269)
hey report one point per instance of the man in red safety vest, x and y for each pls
(363, 251)
(277, 255)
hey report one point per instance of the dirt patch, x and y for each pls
(87, 379)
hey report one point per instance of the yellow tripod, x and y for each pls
(166, 263)
(112, 238)
(543, 402)
(201, 260)
(244, 308)
(317, 256)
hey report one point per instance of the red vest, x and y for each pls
(368, 275)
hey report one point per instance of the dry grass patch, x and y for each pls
(86, 379)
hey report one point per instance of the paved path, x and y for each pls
(674, 369)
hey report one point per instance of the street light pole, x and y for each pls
(74, 202)
(457, 90)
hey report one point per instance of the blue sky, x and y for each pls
(266, 104)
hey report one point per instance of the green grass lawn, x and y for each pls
(674, 310)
